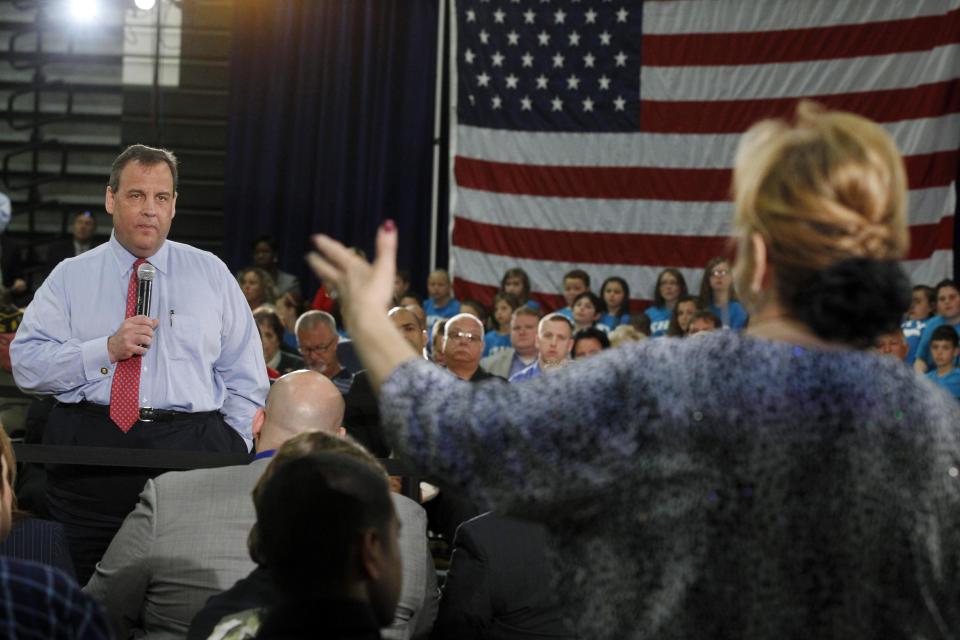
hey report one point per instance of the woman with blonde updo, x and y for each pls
(795, 487)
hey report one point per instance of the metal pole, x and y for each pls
(437, 119)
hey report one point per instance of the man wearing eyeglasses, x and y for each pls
(463, 346)
(317, 340)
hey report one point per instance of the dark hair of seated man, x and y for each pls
(327, 533)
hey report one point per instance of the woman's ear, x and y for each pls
(760, 280)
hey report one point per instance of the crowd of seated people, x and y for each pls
(185, 564)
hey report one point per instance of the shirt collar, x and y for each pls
(125, 259)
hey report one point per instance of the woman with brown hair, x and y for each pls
(795, 487)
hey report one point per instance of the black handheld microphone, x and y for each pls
(145, 275)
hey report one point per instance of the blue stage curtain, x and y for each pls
(331, 121)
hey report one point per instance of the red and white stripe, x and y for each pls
(632, 204)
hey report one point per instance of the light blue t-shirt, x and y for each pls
(923, 348)
(659, 320)
(612, 322)
(950, 381)
(434, 313)
(733, 317)
(912, 330)
(494, 342)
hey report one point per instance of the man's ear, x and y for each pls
(371, 554)
(258, 419)
(108, 200)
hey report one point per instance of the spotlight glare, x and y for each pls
(84, 10)
(145, 5)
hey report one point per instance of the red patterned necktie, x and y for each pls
(125, 391)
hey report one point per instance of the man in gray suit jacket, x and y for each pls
(186, 540)
(523, 346)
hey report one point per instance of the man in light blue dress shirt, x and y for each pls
(202, 373)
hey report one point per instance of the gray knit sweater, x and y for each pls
(714, 487)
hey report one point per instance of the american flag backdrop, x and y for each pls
(600, 134)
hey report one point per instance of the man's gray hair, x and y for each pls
(147, 156)
(461, 316)
(314, 318)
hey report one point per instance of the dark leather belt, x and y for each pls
(146, 414)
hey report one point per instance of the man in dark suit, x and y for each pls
(498, 585)
(84, 226)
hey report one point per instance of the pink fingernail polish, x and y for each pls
(389, 225)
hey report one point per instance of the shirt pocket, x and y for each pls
(185, 338)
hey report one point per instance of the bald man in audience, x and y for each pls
(187, 538)
(362, 419)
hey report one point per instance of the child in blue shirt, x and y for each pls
(943, 349)
(615, 302)
(948, 313)
(670, 286)
(923, 302)
(574, 283)
(441, 305)
(499, 338)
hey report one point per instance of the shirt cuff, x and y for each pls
(96, 359)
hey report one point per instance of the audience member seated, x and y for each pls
(575, 282)
(31, 538)
(703, 321)
(948, 313)
(943, 350)
(39, 601)
(287, 310)
(329, 535)
(266, 257)
(670, 286)
(589, 342)
(318, 339)
(271, 332)
(237, 610)
(923, 304)
(681, 316)
(587, 311)
(463, 346)
(257, 287)
(523, 345)
(718, 295)
(362, 418)
(892, 344)
(554, 341)
(499, 584)
(615, 302)
(81, 240)
(516, 282)
(504, 304)
(441, 305)
(186, 539)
